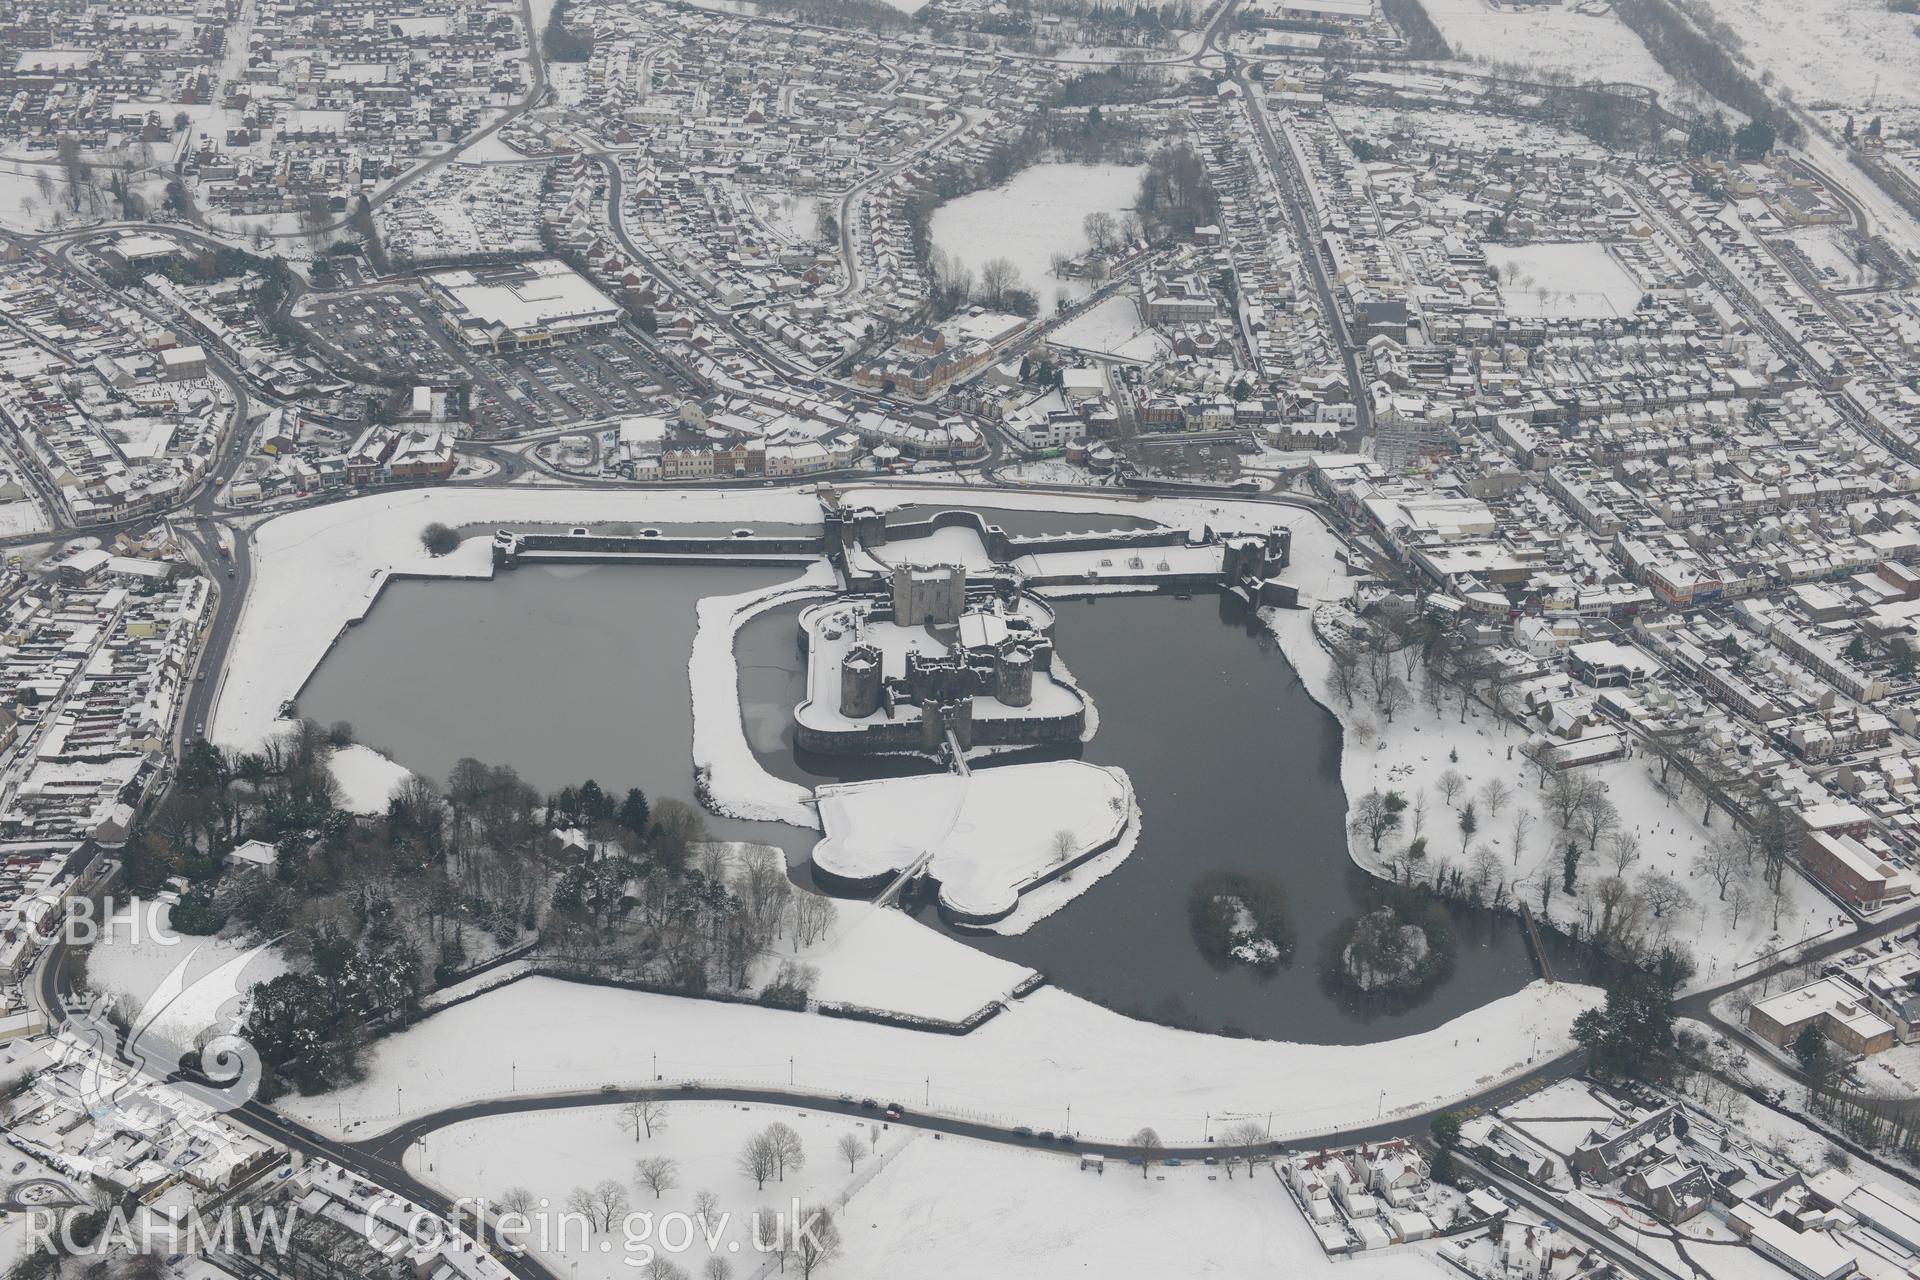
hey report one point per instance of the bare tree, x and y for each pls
(813, 915)
(610, 1197)
(1596, 817)
(1483, 873)
(1244, 1140)
(762, 885)
(645, 1115)
(661, 1267)
(998, 277)
(1344, 675)
(1623, 847)
(1777, 898)
(1100, 227)
(1374, 815)
(1666, 897)
(1722, 861)
(757, 1160)
(1522, 824)
(773, 1236)
(580, 1201)
(1064, 846)
(1738, 902)
(517, 1200)
(850, 1149)
(657, 1174)
(717, 1268)
(1391, 695)
(816, 1239)
(787, 1151)
(1148, 1149)
(1494, 794)
(706, 1207)
(1449, 785)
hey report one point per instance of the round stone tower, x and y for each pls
(860, 682)
(1013, 678)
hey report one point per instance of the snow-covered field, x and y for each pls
(1859, 54)
(27, 205)
(1036, 215)
(22, 516)
(551, 1153)
(1113, 328)
(1563, 281)
(956, 1209)
(931, 1209)
(367, 779)
(136, 958)
(1584, 41)
(878, 958)
(1024, 1066)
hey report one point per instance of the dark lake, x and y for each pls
(571, 672)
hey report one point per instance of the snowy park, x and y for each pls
(1563, 281)
(1049, 1050)
(902, 1202)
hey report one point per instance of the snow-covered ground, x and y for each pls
(1859, 54)
(879, 958)
(552, 1153)
(1112, 328)
(22, 516)
(27, 203)
(737, 784)
(1036, 215)
(957, 1209)
(915, 1206)
(989, 834)
(367, 779)
(1584, 41)
(136, 960)
(1412, 755)
(1024, 1066)
(1563, 281)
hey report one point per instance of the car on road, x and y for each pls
(893, 1111)
(607, 1088)
(1021, 1131)
(868, 1103)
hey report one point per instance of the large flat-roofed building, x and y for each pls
(1852, 871)
(1838, 1008)
(529, 305)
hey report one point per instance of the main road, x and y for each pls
(1296, 195)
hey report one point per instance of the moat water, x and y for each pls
(571, 672)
